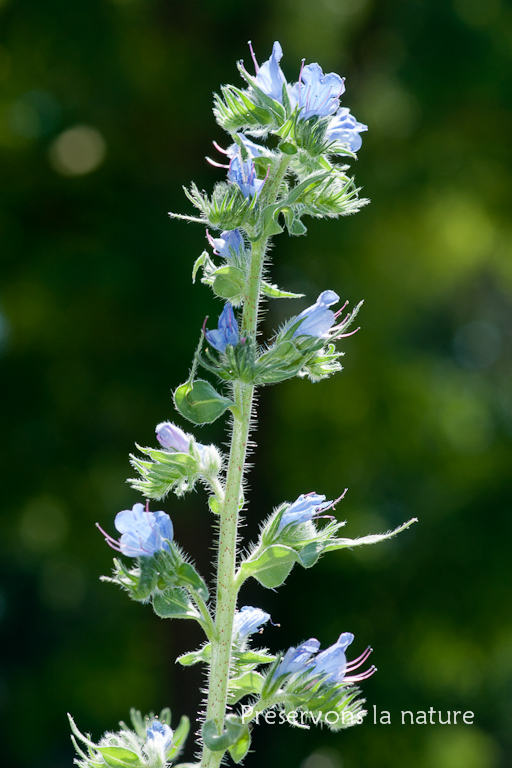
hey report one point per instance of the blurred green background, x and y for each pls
(105, 112)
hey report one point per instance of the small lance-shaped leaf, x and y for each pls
(179, 737)
(188, 577)
(199, 402)
(119, 757)
(174, 604)
(277, 293)
(245, 685)
(373, 538)
(204, 655)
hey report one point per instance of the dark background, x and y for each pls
(99, 321)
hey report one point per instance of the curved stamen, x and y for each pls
(362, 676)
(113, 543)
(219, 148)
(355, 663)
(214, 163)
(256, 66)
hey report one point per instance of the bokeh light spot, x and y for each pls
(77, 151)
(323, 759)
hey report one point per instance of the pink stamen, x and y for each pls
(362, 676)
(333, 503)
(219, 148)
(204, 325)
(113, 543)
(355, 663)
(338, 313)
(214, 163)
(256, 66)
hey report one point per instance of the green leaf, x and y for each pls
(200, 402)
(174, 604)
(245, 685)
(373, 538)
(204, 655)
(254, 657)
(212, 739)
(235, 730)
(241, 747)
(271, 566)
(228, 282)
(187, 576)
(119, 756)
(277, 293)
(201, 261)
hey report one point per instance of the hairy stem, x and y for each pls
(227, 587)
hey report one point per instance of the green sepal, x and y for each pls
(167, 471)
(293, 222)
(199, 402)
(288, 148)
(179, 737)
(119, 757)
(215, 505)
(174, 604)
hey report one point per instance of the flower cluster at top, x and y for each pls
(331, 665)
(314, 95)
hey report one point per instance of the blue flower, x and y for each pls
(297, 660)
(158, 739)
(345, 128)
(229, 241)
(243, 173)
(253, 150)
(330, 664)
(227, 332)
(269, 77)
(248, 620)
(316, 94)
(304, 509)
(172, 437)
(317, 320)
(143, 532)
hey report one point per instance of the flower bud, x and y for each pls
(172, 437)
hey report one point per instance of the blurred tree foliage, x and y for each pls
(104, 114)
